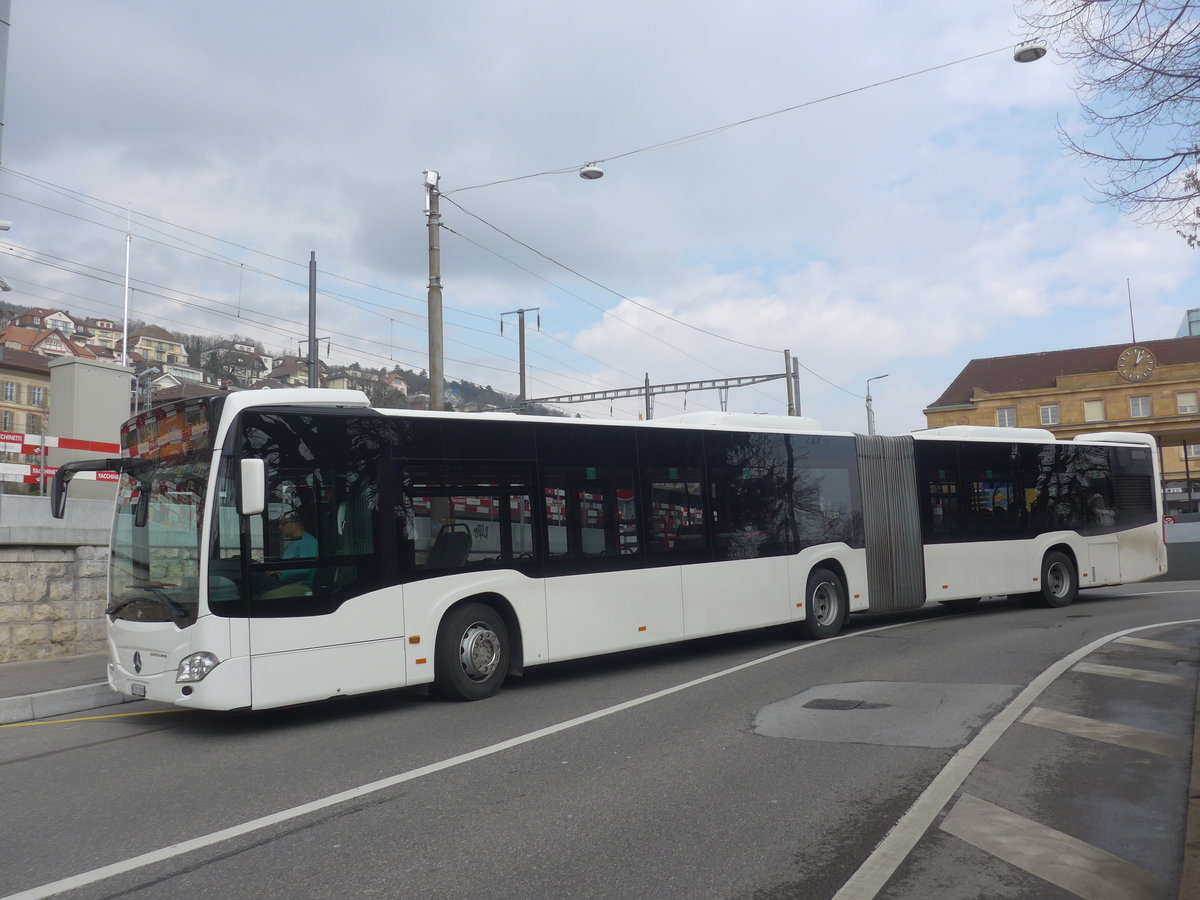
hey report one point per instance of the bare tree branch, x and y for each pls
(1138, 81)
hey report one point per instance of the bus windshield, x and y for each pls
(155, 552)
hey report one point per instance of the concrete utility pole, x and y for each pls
(434, 221)
(791, 389)
(520, 314)
(313, 349)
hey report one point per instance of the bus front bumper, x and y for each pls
(226, 686)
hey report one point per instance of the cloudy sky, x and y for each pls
(901, 229)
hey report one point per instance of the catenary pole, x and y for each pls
(434, 224)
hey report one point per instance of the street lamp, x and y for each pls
(870, 411)
(1029, 51)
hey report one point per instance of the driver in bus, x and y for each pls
(297, 544)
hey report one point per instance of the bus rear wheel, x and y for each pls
(472, 653)
(825, 605)
(1059, 581)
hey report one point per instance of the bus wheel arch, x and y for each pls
(478, 640)
(1058, 578)
(826, 601)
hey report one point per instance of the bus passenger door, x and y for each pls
(322, 620)
(321, 623)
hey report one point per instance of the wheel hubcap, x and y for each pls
(824, 603)
(479, 651)
(1057, 580)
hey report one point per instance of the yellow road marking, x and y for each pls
(152, 712)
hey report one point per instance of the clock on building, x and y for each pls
(1136, 364)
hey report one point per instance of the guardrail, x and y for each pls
(38, 445)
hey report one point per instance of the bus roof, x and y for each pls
(986, 433)
(326, 397)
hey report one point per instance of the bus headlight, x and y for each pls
(196, 667)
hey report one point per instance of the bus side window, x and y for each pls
(676, 512)
(938, 484)
(994, 503)
(454, 515)
(673, 496)
(590, 512)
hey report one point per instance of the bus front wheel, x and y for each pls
(472, 653)
(1059, 581)
(825, 605)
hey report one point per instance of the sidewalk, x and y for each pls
(54, 687)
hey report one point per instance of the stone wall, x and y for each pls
(51, 601)
(52, 578)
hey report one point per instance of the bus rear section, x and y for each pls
(1012, 511)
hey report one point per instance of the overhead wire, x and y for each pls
(604, 287)
(213, 306)
(595, 306)
(709, 132)
(174, 244)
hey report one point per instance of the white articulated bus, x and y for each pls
(274, 547)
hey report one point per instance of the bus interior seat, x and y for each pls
(451, 548)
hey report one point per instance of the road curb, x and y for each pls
(56, 703)
(1189, 878)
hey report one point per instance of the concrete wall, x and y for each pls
(52, 577)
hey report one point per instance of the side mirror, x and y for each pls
(67, 471)
(252, 487)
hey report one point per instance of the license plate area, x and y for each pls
(138, 690)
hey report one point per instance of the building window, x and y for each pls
(6, 421)
(1093, 410)
(1192, 451)
(1185, 402)
(37, 395)
(1006, 417)
(1049, 414)
(10, 391)
(33, 424)
(1139, 407)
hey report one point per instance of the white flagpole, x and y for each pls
(125, 325)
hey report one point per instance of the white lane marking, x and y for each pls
(1108, 732)
(1049, 854)
(234, 831)
(887, 856)
(1154, 645)
(1132, 674)
(1155, 593)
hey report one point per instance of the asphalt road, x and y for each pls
(747, 766)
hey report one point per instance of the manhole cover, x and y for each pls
(843, 704)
